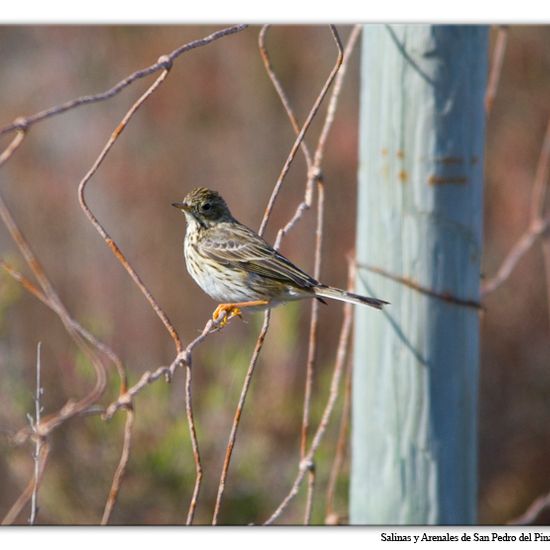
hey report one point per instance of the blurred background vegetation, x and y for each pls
(218, 122)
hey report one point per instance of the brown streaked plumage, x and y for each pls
(238, 268)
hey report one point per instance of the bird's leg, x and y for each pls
(234, 310)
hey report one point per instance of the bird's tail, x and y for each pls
(323, 291)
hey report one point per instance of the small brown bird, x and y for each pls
(238, 268)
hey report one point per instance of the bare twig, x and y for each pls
(341, 355)
(496, 67)
(38, 440)
(238, 413)
(27, 122)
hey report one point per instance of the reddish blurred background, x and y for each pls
(217, 122)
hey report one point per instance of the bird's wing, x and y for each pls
(239, 247)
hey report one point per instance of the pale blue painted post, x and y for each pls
(415, 379)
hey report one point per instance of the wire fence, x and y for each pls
(103, 360)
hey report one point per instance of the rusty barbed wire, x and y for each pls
(50, 298)
(538, 229)
(300, 137)
(238, 413)
(314, 174)
(331, 517)
(341, 354)
(121, 467)
(24, 123)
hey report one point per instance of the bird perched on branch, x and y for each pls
(238, 268)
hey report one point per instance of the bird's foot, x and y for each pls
(228, 311)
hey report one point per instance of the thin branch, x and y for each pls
(27, 122)
(38, 440)
(238, 413)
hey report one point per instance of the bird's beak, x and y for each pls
(180, 205)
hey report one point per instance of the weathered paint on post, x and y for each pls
(415, 380)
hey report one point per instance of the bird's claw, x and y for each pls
(228, 311)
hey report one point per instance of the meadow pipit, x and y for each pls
(238, 268)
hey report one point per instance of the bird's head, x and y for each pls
(205, 207)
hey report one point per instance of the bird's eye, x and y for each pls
(206, 206)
